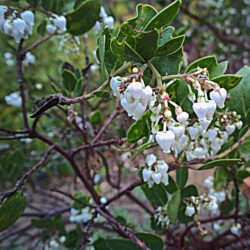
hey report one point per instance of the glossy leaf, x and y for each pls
(181, 177)
(171, 46)
(208, 62)
(156, 195)
(227, 81)
(102, 94)
(219, 163)
(173, 206)
(164, 16)
(139, 128)
(83, 18)
(69, 80)
(190, 190)
(166, 35)
(219, 70)
(11, 209)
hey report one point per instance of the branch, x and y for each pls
(19, 59)
(21, 182)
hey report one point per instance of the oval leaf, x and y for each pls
(11, 209)
(219, 163)
(173, 206)
(227, 81)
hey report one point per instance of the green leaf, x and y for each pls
(164, 16)
(227, 81)
(166, 35)
(240, 95)
(156, 195)
(173, 206)
(102, 94)
(190, 190)
(69, 80)
(131, 54)
(152, 241)
(219, 163)
(80, 197)
(144, 13)
(171, 46)
(208, 62)
(146, 44)
(95, 117)
(140, 149)
(83, 18)
(169, 64)
(11, 209)
(172, 186)
(182, 177)
(219, 70)
(139, 128)
(245, 148)
(56, 6)
(221, 176)
(41, 28)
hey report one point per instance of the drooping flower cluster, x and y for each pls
(156, 171)
(80, 216)
(18, 25)
(171, 126)
(107, 20)
(55, 244)
(56, 24)
(29, 59)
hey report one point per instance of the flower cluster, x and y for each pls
(13, 99)
(155, 172)
(107, 20)
(9, 59)
(29, 59)
(55, 244)
(201, 135)
(56, 24)
(80, 216)
(18, 25)
(161, 218)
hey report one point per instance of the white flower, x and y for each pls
(7, 27)
(19, 24)
(157, 177)
(220, 196)
(162, 167)
(62, 239)
(208, 182)
(235, 229)
(7, 55)
(230, 129)
(14, 99)
(200, 109)
(178, 130)
(193, 132)
(239, 124)
(205, 123)
(109, 21)
(29, 59)
(94, 68)
(219, 96)
(211, 134)
(61, 23)
(190, 211)
(146, 174)
(135, 90)
(103, 13)
(50, 28)
(164, 179)
(28, 17)
(217, 227)
(151, 160)
(103, 200)
(165, 140)
(114, 83)
(182, 117)
(213, 206)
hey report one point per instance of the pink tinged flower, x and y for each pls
(200, 109)
(151, 160)
(135, 89)
(164, 179)
(182, 117)
(165, 140)
(219, 96)
(230, 129)
(157, 177)
(146, 174)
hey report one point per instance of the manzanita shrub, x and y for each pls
(129, 124)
